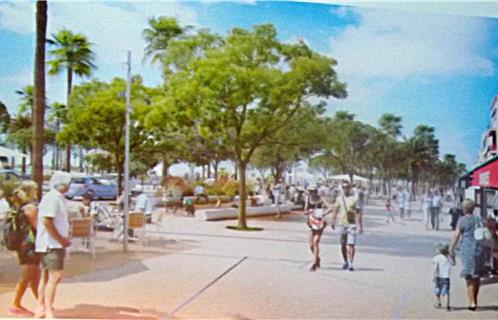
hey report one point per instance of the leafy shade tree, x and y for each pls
(448, 170)
(322, 164)
(347, 143)
(390, 124)
(253, 85)
(72, 54)
(161, 30)
(96, 118)
(39, 94)
(300, 138)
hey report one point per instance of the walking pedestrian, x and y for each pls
(388, 210)
(24, 201)
(407, 198)
(346, 207)
(400, 198)
(437, 204)
(313, 208)
(427, 208)
(51, 240)
(471, 252)
(442, 268)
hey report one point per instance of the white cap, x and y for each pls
(59, 177)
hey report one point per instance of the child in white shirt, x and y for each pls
(442, 268)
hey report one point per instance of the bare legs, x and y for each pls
(46, 293)
(473, 286)
(30, 277)
(315, 248)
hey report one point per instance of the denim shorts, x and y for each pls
(441, 286)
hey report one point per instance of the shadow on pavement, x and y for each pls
(479, 308)
(355, 269)
(93, 311)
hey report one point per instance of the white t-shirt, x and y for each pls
(443, 264)
(407, 197)
(143, 204)
(53, 205)
(436, 201)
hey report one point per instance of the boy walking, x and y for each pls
(442, 266)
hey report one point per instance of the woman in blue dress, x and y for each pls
(471, 253)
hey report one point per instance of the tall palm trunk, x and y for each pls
(69, 88)
(56, 155)
(39, 94)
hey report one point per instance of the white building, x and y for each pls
(488, 141)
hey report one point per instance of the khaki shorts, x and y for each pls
(53, 259)
(348, 234)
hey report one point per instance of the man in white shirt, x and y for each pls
(144, 205)
(437, 205)
(52, 239)
(4, 206)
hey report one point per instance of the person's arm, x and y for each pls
(456, 238)
(52, 231)
(31, 213)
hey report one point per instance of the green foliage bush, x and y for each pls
(8, 187)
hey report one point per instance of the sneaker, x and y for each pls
(345, 266)
(351, 267)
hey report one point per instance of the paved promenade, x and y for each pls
(203, 270)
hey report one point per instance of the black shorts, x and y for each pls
(28, 256)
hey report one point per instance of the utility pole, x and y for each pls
(127, 153)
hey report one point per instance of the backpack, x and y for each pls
(13, 235)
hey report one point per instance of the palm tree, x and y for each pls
(39, 94)
(161, 31)
(4, 117)
(72, 54)
(390, 124)
(58, 115)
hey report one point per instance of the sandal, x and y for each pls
(21, 312)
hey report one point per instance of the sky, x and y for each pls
(428, 67)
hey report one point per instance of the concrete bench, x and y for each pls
(212, 199)
(232, 213)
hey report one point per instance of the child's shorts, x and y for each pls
(441, 286)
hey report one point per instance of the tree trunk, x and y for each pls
(120, 178)
(165, 169)
(215, 167)
(209, 169)
(235, 174)
(56, 156)
(81, 159)
(39, 95)
(69, 88)
(278, 173)
(243, 196)
(23, 163)
(203, 172)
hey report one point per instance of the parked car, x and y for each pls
(9, 174)
(101, 189)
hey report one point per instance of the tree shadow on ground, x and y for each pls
(93, 311)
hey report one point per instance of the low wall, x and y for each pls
(232, 213)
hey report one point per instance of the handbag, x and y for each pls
(349, 214)
(482, 235)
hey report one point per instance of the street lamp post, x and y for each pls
(127, 152)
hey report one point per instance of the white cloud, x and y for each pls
(399, 44)
(17, 17)
(113, 30)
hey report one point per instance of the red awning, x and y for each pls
(486, 176)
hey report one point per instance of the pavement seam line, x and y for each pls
(198, 293)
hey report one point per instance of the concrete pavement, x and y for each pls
(204, 270)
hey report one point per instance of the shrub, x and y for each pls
(8, 187)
